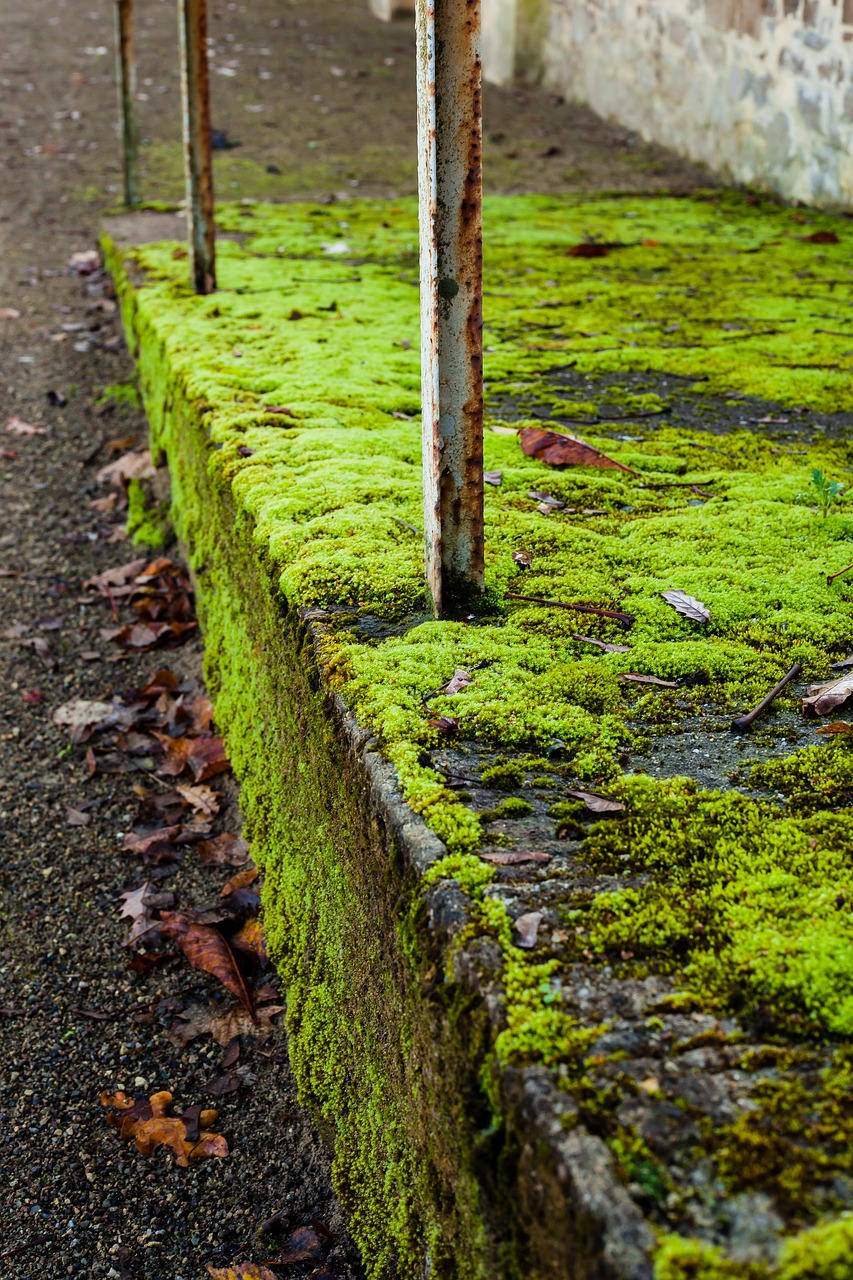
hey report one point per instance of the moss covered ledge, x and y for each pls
(629, 1089)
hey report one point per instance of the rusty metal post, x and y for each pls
(195, 89)
(451, 255)
(126, 77)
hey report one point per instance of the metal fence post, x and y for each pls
(126, 76)
(451, 257)
(195, 89)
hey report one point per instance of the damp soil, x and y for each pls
(684, 405)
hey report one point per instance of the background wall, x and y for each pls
(759, 90)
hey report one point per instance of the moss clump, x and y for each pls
(149, 525)
(503, 775)
(512, 807)
(795, 1143)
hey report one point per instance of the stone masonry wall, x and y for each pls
(759, 90)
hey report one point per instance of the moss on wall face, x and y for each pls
(287, 407)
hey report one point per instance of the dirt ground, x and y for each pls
(320, 99)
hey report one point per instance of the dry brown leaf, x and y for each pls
(147, 1121)
(239, 881)
(457, 683)
(135, 465)
(835, 728)
(206, 758)
(242, 1271)
(249, 941)
(598, 804)
(202, 799)
(689, 606)
(226, 850)
(222, 1023)
(641, 679)
(823, 698)
(558, 450)
(527, 928)
(81, 716)
(207, 949)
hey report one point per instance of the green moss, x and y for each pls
(513, 807)
(121, 393)
(682, 1259)
(148, 525)
(503, 775)
(736, 898)
(823, 1253)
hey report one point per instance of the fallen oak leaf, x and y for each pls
(224, 1024)
(596, 803)
(641, 679)
(224, 850)
(557, 449)
(687, 605)
(133, 902)
(202, 799)
(148, 1123)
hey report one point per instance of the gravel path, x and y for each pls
(74, 1017)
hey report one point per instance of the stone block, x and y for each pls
(721, 13)
(808, 105)
(748, 15)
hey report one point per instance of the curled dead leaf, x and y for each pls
(557, 449)
(836, 728)
(820, 699)
(596, 803)
(603, 644)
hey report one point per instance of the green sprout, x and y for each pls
(829, 492)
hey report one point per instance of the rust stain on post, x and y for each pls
(195, 88)
(126, 77)
(451, 256)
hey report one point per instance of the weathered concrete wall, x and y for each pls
(759, 90)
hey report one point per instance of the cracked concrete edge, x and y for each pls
(605, 1236)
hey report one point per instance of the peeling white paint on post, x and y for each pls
(126, 78)
(451, 256)
(195, 89)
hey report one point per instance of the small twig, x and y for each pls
(747, 721)
(677, 484)
(832, 576)
(626, 619)
(22, 1248)
(411, 527)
